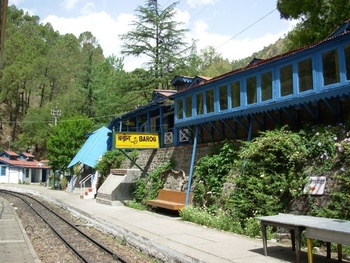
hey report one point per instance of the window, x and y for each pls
(235, 94)
(210, 100)
(3, 170)
(266, 86)
(286, 79)
(179, 109)
(305, 75)
(347, 60)
(223, 97)
(188, 106)
(330, 67)
(199, 99)
(251, 90)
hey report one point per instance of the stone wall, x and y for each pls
(176, 179)
(301, 205)
(149, 160)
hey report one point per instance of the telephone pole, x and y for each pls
(56, 113)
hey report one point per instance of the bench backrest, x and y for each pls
(173, 196)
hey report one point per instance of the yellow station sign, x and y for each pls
(131, 140)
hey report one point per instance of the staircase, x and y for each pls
(88, 192)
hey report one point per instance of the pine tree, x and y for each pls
(157, 36)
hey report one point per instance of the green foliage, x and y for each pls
(66, 139)
(268, 174)
(63, 182)
(213, 64)
(134, 154)
(270, 171)
(219, 220)
(148, 187)
(320, 141)
(210, 175)
(110, 159)
(339, 202)
(317, 21)
(338, 206)
(35, 133)
(136, 205)
(155, 30)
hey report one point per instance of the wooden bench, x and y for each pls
(170, 199)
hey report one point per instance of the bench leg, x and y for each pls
(340, 253)
(264, 237)
(292, 236)
(309, 250)
(297, 241)
(328, 249)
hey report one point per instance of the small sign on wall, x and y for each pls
(316, 185)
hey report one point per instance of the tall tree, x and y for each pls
(109, 79)
(213, 64)
(66, 139)
(24, 45)
(91, 54)
(317, 19)
(157, 36)
(192, 63)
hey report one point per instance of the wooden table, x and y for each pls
(328, 230)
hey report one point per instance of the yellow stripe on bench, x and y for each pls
(170, 199)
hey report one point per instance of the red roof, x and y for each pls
(24, 160)
(28, 155)
(165, 93)
(24, 163)
(11, 153)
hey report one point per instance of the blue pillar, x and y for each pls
(194, 149)
(161, 128)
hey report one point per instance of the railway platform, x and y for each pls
(166, 237)
(15, 245)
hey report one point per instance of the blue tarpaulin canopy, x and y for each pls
(95, 146)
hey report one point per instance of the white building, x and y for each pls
(21, 168)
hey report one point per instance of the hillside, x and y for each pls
(272, 50)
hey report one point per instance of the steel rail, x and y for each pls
(102, 247)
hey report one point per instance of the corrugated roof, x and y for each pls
(95, 146)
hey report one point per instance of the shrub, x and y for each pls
(111, 159)
(63, 182)
(219, 219)
(147, 187)
(210, 175)
(268, 174)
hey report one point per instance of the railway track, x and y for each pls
(86, 248)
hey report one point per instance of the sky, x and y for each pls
(235, 28)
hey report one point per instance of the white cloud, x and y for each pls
(182, 17)
(101, 25)
(105, 28)
(234, 48)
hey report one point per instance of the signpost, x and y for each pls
(131, 140)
